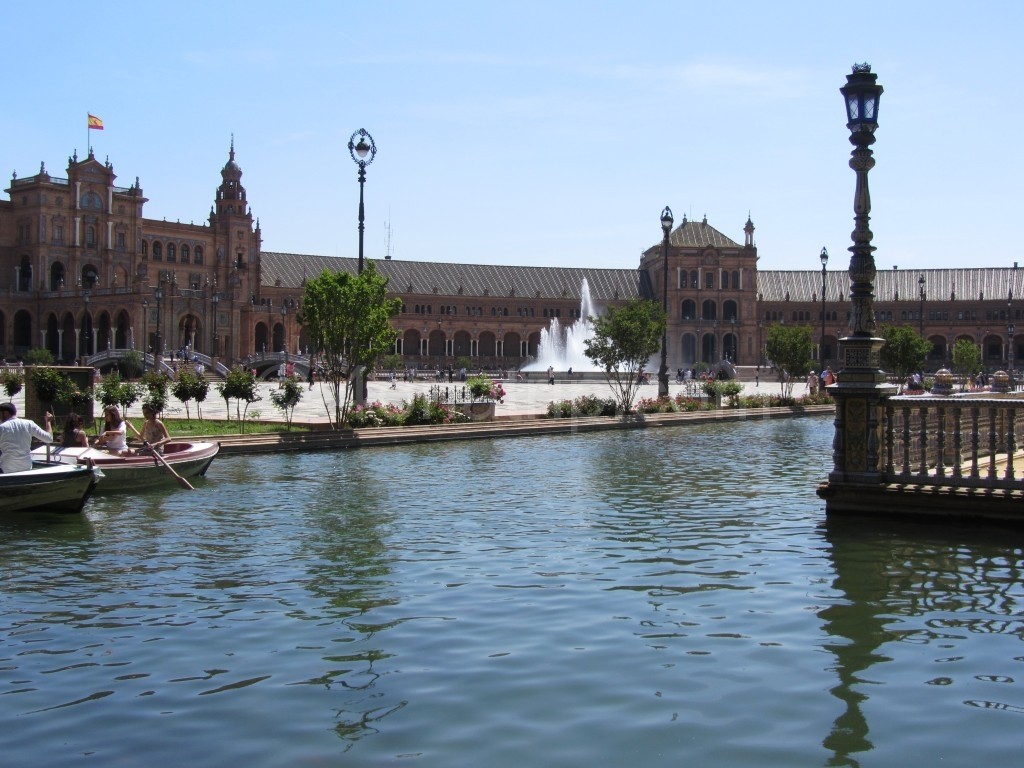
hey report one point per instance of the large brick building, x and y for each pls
(82, 271)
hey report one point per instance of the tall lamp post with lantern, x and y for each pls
(361, 147)
(861, 390)
(821, 345)
(666, 228)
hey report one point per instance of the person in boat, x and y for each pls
(16, 438)
(74, 436)
(154, 432)
(115, 431)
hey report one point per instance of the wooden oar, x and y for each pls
(181, 480)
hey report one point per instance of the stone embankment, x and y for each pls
(321, 440)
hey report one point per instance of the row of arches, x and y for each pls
(172, 252)
(709, 310)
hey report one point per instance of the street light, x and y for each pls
(920, 313)
(821, 347)
(862, 94)
(666, 228)
(159, 295)
(1010, 329)
(145, 332)
(215, 300)
(284, 330)
(360, 150)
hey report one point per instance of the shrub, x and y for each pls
(12, 382)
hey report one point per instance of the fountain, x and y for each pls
(564, 348)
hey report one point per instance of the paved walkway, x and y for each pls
(522, 398)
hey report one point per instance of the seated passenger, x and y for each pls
(113, 437)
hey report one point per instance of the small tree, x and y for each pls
(186, 386)
(347, 319)
(156, 384)
(50, 385)
(112, 390)
(966, 359)
(39, 356)
(904, 351)
(624, 340)
(13, 382)
(131, 361)
(789, 348)
(286, 398)
(239, 385)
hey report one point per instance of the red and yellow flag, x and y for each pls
(95, 124)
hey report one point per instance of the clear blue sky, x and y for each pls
(539, 133)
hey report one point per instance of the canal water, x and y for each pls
(670, 597)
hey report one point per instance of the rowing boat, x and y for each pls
(47, 487)
(142, 470)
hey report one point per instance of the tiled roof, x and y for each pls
(964, 284)
(449, 279)
(700, 234)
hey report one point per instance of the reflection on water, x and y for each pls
(670, 596)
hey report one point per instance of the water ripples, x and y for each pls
(669, 595)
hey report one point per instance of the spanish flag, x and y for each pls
(95, 124)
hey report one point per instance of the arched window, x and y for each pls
(184, 254)
(170, 252)
(689, 310)
(709, 280)
(197, 254)
(145, 249)
(709, 310)
(729, 311)
(158, 251)
(694, 279)
(736, 280)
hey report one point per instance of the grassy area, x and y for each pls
(213, 427)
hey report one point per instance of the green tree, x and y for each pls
(789, 348)
(625, 338)
(113, 390)
(904, 351)
(189, 385)
(966, 359)
(39, 356)
(286, 397)
(239, 385)
(347, 320)
(13, 382)
(156, 384)
(131, 361)
(50, 385)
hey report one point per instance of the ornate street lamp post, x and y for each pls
(920, 312)
(666, 228)
(861, 388)
(159, 295)
(1010, 330)
(215, 300)
(145, 332)
(360, 150)
(821, 346)
(284, 331)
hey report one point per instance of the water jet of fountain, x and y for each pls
(564, 348)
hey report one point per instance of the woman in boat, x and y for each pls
(74, 436)
(154, 432)
(113, 438)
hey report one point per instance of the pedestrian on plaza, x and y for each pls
(16, 437)
(551, 375)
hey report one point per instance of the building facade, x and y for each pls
(83, 271)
